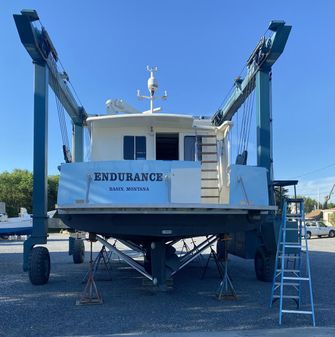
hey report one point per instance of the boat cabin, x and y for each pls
(152, 157)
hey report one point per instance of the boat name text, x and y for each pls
(127, 176)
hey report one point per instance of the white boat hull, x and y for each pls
(16, 226)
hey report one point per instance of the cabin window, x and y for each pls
(167, 146)
(134, 148)
(190, 146)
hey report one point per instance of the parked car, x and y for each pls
(319, 228)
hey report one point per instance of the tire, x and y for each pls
(78, 251)
(4, 237)
(319, 236)
(39, 266)
(264, 265)
(308, 235)
(331, 234)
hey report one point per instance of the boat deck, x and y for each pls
(130, 221)
(161, 208)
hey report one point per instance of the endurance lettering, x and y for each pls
(127, 176)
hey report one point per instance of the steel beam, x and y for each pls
(262, 58)
(78, 143)
(61, 89)
(158, 268)
(40, 162)
(40, 48)
(264, 124)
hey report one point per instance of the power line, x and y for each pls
(314, 171)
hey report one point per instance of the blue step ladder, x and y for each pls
(290, 272)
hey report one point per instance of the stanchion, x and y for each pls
(102, 258)
(90, 294)
(213, 256)
(226, 289)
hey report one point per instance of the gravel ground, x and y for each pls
(132, 307)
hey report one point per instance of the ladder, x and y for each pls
(208, 153)
(290, 274)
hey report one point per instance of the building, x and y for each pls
(327, 213)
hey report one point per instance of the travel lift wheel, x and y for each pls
(39, 266)
(264, 265)
(78, 251)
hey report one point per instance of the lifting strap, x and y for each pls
(61, 115)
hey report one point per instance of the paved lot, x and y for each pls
(132, 308)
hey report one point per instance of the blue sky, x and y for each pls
(199, 47)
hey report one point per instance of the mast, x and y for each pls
(152, 87)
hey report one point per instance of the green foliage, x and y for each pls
(52, 191)
(16, 190)
(310, 204)
(329, 205)
(332, 219)
(280, 193)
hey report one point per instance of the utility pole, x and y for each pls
(318, 197)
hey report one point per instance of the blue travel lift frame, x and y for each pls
(41, 50)
(258, 77)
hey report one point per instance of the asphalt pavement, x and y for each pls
(132, 308)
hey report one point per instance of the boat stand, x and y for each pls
(90, 295)
(186, 249)
(213, 256)
(111, 252)
(226, 289)
(104, 258)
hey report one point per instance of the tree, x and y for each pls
(280, 194)
(52, 191)
(16, 190)
(309, 204)
(329, 205)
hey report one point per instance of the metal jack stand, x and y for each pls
(200, 257)
(111, 252)
(218, 263)
(186, 248)
(90, 294)
(103, 257)
(226, 289)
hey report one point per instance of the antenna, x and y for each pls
(152, 87)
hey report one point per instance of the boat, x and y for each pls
(20, 225)
(154, 178)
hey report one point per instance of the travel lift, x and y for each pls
(44, 56)
(40, 47)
